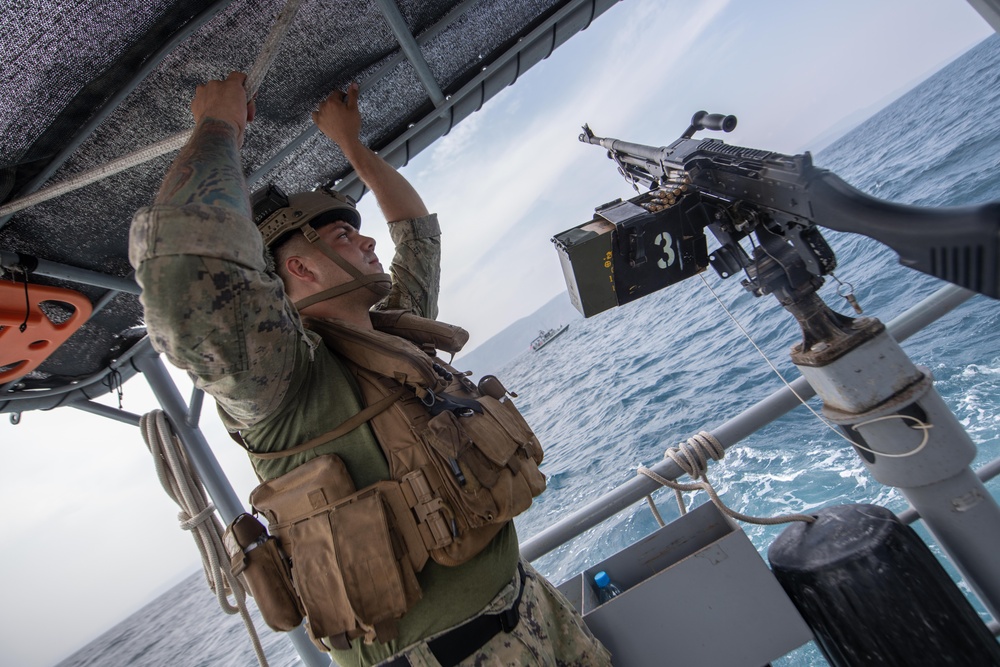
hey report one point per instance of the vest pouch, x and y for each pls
(527, 454)
(449, 537)
(351, 563)
(463, 477)
(466, 474)
(316, 483)
(256, 556)
(489, 464)
(502, 437)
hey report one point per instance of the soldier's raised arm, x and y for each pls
(339, 119)
(208, 170)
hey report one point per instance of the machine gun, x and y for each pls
(778, 203)
(632, 248)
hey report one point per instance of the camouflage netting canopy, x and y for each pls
(86, 82)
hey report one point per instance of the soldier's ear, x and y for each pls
(298, 269)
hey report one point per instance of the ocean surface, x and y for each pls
(617, 390)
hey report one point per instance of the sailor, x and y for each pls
(216, 308)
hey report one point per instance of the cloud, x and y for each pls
(454, 144)
(502, 171)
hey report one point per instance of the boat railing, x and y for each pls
(736, 429)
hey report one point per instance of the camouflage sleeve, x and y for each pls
(214, 310)
(416, 267)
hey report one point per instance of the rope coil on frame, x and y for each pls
(181, 482)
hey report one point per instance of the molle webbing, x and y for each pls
(346, 427)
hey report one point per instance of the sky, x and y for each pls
(90, 537)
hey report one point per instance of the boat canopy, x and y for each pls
(84, 83)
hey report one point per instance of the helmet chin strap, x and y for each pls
(379, 283)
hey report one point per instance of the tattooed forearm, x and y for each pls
(208, 170)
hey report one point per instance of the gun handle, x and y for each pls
(702, 120)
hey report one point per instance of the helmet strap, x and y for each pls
(379, 283)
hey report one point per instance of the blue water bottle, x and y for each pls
(605, 588)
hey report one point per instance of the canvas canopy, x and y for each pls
(83, 83)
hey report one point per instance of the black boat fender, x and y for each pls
(874, 594)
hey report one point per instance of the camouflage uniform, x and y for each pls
(549, 632)
(214, 309)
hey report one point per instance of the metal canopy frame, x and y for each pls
(528, 49)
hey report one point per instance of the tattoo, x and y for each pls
(208, 171)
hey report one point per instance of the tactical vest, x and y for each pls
(462, 461)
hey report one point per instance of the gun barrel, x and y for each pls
(627, 148)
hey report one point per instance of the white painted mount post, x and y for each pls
(876, 379)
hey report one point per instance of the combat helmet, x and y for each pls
(276, 215)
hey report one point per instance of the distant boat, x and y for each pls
(545, 336)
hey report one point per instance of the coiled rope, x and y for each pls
(172, 143)
(181, 482)
(692, 457)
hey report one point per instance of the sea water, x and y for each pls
(615, 391)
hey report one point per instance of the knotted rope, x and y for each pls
(181, 482)
(172, 143)
(692, 457)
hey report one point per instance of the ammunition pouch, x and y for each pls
(258, 559)
(485, 466)
(353, 554)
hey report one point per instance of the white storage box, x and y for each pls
(694, 593)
